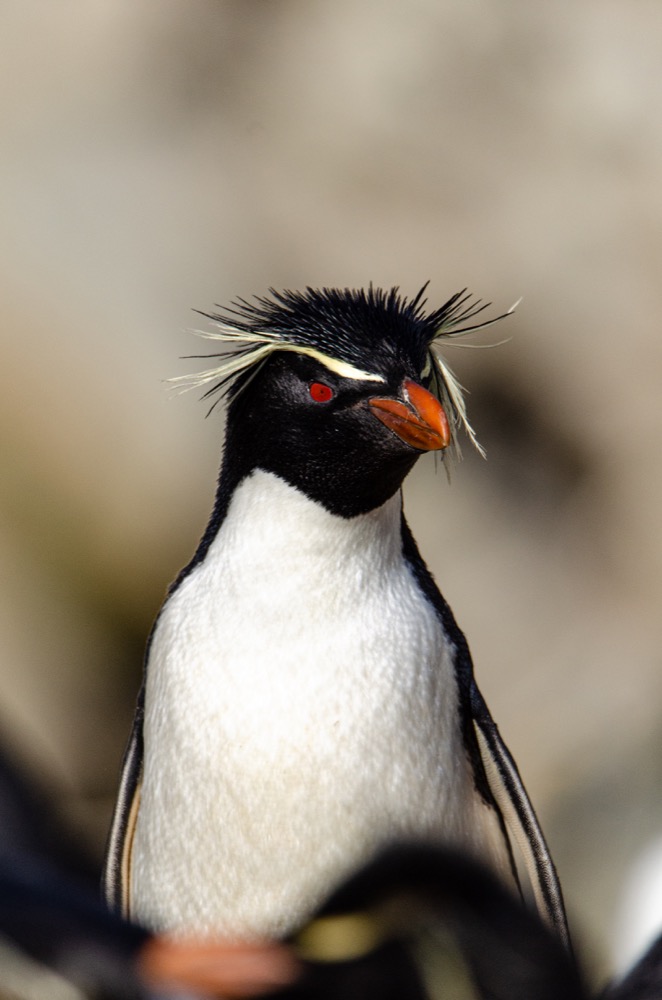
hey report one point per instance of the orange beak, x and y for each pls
(422, 423)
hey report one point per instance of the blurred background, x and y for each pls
(161, 155)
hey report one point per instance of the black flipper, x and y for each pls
(510, 794)
(495, 772)
(117, 866)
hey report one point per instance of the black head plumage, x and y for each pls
(358, 332)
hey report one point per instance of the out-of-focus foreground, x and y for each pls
(159, 156)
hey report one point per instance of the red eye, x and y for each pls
(320, 393)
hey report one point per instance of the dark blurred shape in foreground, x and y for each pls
(644, 981)
(418, 923)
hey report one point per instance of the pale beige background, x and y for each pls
(159, 155)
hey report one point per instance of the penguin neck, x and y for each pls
(235, 471)
(268, 520)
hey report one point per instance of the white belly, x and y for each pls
(300, 712)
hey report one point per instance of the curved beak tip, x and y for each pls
(421, 422)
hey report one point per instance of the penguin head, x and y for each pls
(346, 441)
(338, 392)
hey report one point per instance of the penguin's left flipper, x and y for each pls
(510, 795)
(117, 866)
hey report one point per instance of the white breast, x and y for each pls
(300, 711)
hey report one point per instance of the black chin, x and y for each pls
(356, 491)
(340, 456)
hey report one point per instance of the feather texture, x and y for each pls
(367, 324)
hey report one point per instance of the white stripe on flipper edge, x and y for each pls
(511, 797)
(118, 854)
(127, 852)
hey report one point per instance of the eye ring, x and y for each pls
(320, 393)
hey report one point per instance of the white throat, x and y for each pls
(301, 711)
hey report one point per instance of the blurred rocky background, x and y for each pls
(160, 155)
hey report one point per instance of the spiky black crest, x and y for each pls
(358, 332)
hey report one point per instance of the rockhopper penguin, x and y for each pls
(308, 697)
